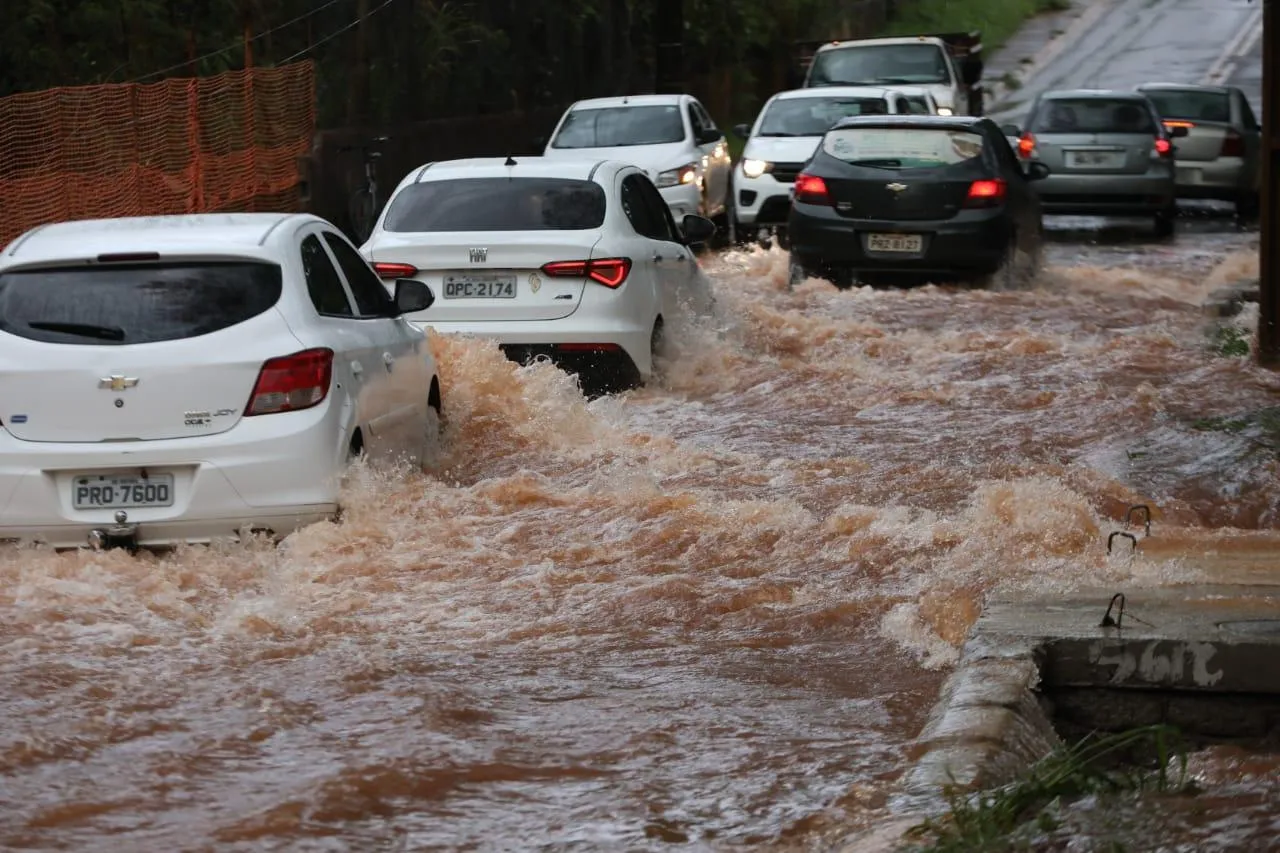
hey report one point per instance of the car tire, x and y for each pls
(1248, 206)
(1164, 222)
(657, 339)
(433, 438)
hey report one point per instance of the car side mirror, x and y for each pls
(742, 131)
(697, 229)
(1011, 130)
(1178, 131)
(413, 296)
(708, 136)
(1037, 171)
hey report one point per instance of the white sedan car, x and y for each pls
(783, 138)
(671, 137)
(184, 378)
(577, 260)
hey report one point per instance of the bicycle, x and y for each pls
(362, 205)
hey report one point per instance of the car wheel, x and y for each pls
(1248, 206)
(1164, 222)
(656, 341)
(432, 439)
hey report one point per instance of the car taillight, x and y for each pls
(1232, 145)
(292, 382)
(389, 271)
(811, 189)
(985, 194)
(1026, 146)
(611, 272)
(1164, 148)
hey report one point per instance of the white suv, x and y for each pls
(670, 137)
(784, 137)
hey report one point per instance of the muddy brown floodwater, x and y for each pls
(715, 611)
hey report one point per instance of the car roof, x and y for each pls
(834, 91)
(1084, 94)
(836, 45)
(910, 120)
(573, 168)
(1193, 87)
(631, 101)
(196, 233)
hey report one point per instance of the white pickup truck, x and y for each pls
(948, 65)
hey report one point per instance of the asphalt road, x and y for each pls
(1142, 41)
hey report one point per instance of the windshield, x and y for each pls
(618, 126)
(1093, 115)
(872, 65)
(1191, 104)
(902, 147)
(497, 204)
(814, 116)
(135, 304)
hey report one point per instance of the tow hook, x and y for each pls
(119, 535)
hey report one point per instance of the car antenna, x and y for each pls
(511, 161)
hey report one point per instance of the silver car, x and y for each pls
(1219, 158)
(1108, 154)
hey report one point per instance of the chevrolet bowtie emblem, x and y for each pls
(117, 383)
(895, 187)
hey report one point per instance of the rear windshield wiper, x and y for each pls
(84, 330)
(876, 164)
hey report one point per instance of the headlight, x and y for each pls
(944, 111)
(685, 174)
(755, 168)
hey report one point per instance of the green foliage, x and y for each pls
(1098, 765)
(998, 19)
(1231, 341)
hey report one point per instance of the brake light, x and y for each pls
(395, 270)
(292, 382)
(986, 193)
(1232, 145)
(1172, 123)
(811, 189)
(1026, 146)
(611, 272)
(1164, 147)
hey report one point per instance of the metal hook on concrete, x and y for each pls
(1112, 538)
(1146, 510)
(1107, 621)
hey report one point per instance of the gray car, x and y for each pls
(1108, 154)
(1219, 158)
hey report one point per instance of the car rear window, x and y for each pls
(1191, 104)
(1093, 115)
(814, 116)
(903, 147)
(497, 204)
(134, 304)
(610, 127)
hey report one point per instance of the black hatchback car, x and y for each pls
(935, 198)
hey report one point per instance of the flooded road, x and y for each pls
(715, 611)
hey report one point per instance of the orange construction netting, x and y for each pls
(183, 145)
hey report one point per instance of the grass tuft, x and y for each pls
(1096, 765)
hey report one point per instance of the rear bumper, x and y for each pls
(1224, 179)
(277, 472)
(538, 337)
(1120, 195)
(973, 242)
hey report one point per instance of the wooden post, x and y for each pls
(1269, 248)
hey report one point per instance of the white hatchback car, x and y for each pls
(182, 378)
(785, 135)
(671, 137)
(577, 260)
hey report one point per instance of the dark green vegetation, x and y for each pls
(1140, 761)
(1231, 341)
(398, 61)
(1262, 426)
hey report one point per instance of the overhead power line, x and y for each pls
(237, 45)
(334, 35)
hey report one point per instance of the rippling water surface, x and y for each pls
(715, 611)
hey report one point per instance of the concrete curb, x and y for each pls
(1088, 16)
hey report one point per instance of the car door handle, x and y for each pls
(388, 360)
(356, 369)
(657, 256)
